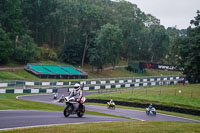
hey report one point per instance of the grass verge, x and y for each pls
(116, 127)
(187, 96)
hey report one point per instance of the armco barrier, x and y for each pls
(20, 91)
(92, 82)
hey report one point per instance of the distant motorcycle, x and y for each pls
(55, 96)
(111, 105)
(61, 100)
(74, 107)
(151, 111)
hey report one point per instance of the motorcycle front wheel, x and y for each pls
(147, 112)
(67, 110)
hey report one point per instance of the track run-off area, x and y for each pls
(10, 119)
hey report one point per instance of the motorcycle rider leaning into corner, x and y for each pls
(111, 102)
(76, 93)
(150, 107)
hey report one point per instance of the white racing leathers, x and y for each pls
(77, 94)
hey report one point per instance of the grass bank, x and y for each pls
(116, 127)
(187, 96)
(119, 72)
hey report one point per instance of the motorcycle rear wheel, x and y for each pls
(81, 112)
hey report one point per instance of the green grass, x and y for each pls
(158, 111)
(9, 101)
(119, 72)
(165, 95)
(116, 127)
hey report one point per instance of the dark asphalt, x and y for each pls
(135, 114)
(27, 118)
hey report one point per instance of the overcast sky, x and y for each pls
(170, 12)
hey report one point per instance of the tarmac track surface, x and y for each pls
(30, 118)
(134, 114)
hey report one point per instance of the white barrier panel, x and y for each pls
(171, 78)
(49, 90)
(151, 79)
(165, 78)
(71, 89)
(103, 82)
(70, 83)
(136, 85)
(118, 86)
(144, 80)
(187, 82)
(177, 77)
(3, 84)
(108, 86)
(93, 82)
(175, 82)
(45, 83)
(127, 85)
(167, 82)
(160, 83)
(112, 81)
(83, 82)
(2, 90)
(97, 87)
(18, 90)
(29, 83)
(129, 81)
(153, 83)
(34, 90)
(59, 83)
(137, 80)
(121, 81)
(86, 88)
(158, 79)
(144, 84)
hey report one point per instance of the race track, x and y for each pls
(24, 118)
(31, 118)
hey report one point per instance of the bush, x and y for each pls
(5, 46)
(25, 50)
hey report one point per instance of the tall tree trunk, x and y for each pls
(84, 51)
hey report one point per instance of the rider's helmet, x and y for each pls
(77, 86)
(111, 100)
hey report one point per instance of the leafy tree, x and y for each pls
(26, 50)
(158, 43)
(188, 51)
(109, 43)
(5, 46)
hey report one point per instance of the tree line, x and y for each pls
(96, 32)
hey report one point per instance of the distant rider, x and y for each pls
(150, 107)
(76, 92)
(111, 102)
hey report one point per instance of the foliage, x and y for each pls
(108, 46)
(5, 46)
(73, 26)
(188, 48)
(25, 50)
